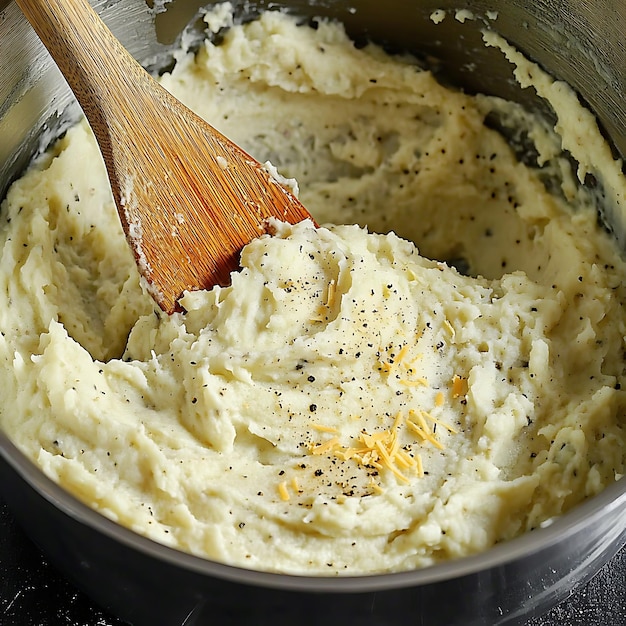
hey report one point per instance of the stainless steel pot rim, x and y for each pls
(561, 529)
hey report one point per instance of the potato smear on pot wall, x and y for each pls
(349, 404)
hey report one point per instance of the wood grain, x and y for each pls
(188, 198)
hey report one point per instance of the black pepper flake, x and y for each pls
(313, 408)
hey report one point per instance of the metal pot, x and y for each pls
(580, 41)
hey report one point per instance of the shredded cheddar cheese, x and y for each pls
(283, 492)
(450, 328)
(383, 450)
(422, 431)
(324, 429)
(449, 428)
(296, 485)
(385, 367)
(332, 290)
(402, 353)
(324, 308)
(414, 383)
(323, 448)
(459, 386)
(375, 487)
(420, 467)
(397, 366)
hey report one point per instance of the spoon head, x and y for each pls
(190, 200)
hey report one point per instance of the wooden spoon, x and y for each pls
(188, 198)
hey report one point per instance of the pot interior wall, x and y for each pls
(578, 41)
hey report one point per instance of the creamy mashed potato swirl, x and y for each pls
(347, 405)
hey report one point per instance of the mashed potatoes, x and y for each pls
(347, 405)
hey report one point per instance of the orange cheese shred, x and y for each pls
(324, 429)
(420, 466)
(418, 382)
(283, 492)
(384, 449)
(459, 386)
(327, 446)
(332, 290)
(449, 428)
(296, 485)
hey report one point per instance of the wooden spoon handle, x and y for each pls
(116, 94)
(188, 198)
(71, 31)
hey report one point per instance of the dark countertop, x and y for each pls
(33, 593)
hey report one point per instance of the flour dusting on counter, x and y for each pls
(348, 405)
